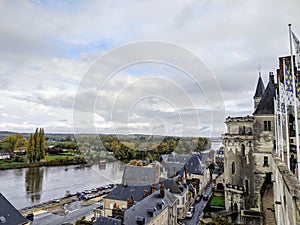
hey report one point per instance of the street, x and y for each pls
(75, 213)
(199, 206)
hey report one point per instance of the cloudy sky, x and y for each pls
(52, 73)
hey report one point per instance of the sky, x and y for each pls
(53, 72)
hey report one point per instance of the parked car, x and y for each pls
(87, 192)
(205, 197)
(30, 216)
(198, 198)
(56, 200)
(189, 215)
(192, 209)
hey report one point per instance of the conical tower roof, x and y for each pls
(260, 88)
(266, 104)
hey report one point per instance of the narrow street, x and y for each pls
(199, 207)
(75, 213)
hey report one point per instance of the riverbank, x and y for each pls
(58, 206)
(53, 162)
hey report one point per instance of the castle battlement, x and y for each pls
(239, 119)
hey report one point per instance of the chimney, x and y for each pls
(153, 188)
(151, 211)
(140, 220)
(146, 193)
(162, 189)
(129, 202)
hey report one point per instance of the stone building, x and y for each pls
(258, 186)
(248, 147)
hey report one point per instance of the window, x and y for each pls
(247, 186)
(267, 125)
(242, 130)
(233, 168)
(243, 149)
(266, 161)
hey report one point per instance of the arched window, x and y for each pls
(235, 206)
(243, 149)
(233, 168)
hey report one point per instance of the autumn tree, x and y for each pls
(13, 142)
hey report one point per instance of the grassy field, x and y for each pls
(55, 157)
(53, 160)
(217, 201)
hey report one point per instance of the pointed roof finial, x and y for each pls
(259, 70)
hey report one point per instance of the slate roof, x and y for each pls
(124, 192)
(266, 104)
(173, 186)
(195, 166)
(136, 175)
(216, 171)
(107, 221)
(260, 88)
(9, 215)
(174, 157)
(140, 209)
(174, 168)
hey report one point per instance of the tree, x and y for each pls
(37, 151)
(13, 142)
(36, 146)
(30, 149)
(42, 143)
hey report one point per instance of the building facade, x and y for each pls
(252, 166)
(248, 147)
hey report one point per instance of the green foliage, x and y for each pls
(217, 201)
(13, 142)
(141, 147)
(66, 145)
(203, 144)
(36, 146)
(82, 221)
(6, 146)
(48, 161)
(220, 221)
(42, 143)
(30, 149)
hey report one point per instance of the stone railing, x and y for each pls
(236, 187)
(286, 194)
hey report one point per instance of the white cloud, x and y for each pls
(48, 46)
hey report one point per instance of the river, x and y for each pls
(30, 186)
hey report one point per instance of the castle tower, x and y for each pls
(238, 163)
(263, 134)
(260, 89)
(248, 146)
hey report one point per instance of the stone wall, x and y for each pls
(286, 194)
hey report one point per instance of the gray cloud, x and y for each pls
(46, 49)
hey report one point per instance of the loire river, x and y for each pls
(29, 186)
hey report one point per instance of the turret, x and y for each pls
(260, 89)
